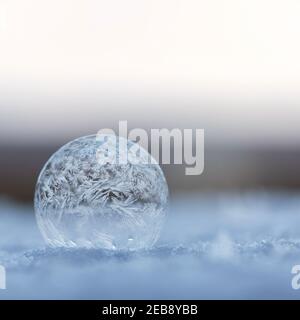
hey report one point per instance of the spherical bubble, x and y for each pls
(87, 196)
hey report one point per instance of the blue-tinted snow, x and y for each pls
(213, 245)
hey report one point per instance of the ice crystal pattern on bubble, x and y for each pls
(83, 202)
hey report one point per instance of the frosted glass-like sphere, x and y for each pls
(84, 198)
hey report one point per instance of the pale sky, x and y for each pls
(230, 65)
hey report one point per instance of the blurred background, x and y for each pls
(70, 67)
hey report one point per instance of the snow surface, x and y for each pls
(213, 246)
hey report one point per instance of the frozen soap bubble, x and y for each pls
(86, 198)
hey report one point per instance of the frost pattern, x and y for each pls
(81, 202)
